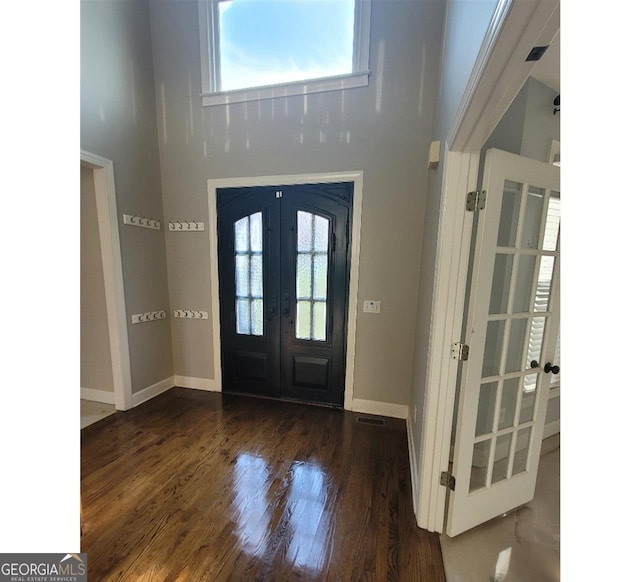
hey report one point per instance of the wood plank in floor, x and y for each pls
(205, 486)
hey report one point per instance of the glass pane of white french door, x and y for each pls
(515, 321)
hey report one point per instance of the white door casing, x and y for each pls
(352, 302)
(104, 183)
(498, 74)
(513, 319)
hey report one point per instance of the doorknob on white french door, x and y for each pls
(549, 367)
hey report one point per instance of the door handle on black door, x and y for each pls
(549, 367)
(274, 305)
(285, 305)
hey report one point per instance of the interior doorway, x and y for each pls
(105, 363)
(283, 266)
(96, 369)
(500, 70)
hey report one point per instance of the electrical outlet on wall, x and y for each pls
(371, 306)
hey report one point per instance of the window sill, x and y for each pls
(287, 89)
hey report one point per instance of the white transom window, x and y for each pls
(260, 49)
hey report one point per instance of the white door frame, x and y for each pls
(499, 73)
(104, 185)
(290, 180)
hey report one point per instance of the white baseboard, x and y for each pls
(380, 408)
(413, 467)
(97, 395)
(551, 428)
(168, 383)
(149, 392)
(196, 383)
(366, 406)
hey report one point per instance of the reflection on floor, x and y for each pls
(202, 486)
(523, 546)
(91, 412)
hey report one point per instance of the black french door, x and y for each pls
(284, 274)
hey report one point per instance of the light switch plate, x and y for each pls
(371, 306)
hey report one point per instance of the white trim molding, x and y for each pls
(501, 68)
(452, 256)
(356, 177)
(207, 384)
(104, 396)
(553, 427)
(193, 383)
(151, 391)
(337, 83)
(550, 429)
(104, 184)
(378, 408)
(413, 465)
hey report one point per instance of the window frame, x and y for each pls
(210, 56)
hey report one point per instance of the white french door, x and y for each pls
(514, 318)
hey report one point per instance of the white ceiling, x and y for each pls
(547, 70)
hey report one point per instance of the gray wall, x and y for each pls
(118, 122)
(528, 126)
(540, 124)
(465, 26)
(383, 129)
(95, 354)
(508, 133)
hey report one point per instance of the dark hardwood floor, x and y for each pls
(197, 485)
